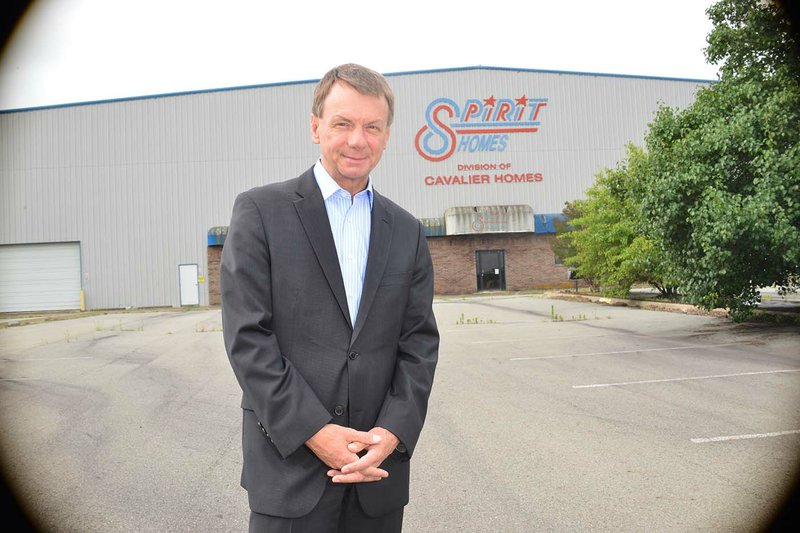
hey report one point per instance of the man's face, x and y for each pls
(352, 133)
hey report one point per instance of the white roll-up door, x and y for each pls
(40, 277)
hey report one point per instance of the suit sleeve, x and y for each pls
(282, 400)
(406, 404)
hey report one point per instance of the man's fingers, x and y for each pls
(368, 475)
(363, 437)
(356, 447)
(372, 457)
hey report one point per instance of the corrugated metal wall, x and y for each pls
(584, 128)
(139, 182)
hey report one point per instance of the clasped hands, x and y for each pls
(339, 446)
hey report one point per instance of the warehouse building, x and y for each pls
(125, 203)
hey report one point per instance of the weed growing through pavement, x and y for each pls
(474, 320)
(558, 317)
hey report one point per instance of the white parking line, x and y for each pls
(688, 347)
(591, 336)
(471, 327)
(558, 337)
(716, 376)
(20, 379)
(49, 359)
(702, 440)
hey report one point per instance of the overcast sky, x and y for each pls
(66, 51)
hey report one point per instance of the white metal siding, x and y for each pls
(40, 277)
(584, 128)
(139, 182)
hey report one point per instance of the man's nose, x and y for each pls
(357, 137)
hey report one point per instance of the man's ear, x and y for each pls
(314, 129)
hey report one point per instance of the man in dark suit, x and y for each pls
(327, 291)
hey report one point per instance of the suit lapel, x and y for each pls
(311, 209)
(380, 240)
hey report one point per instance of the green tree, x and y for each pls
(561, 243)
(605, 242)
(721, 196)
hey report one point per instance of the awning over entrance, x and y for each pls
(489, 219)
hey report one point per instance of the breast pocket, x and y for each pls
(396, 278)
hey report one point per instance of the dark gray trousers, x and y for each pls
(338, 511)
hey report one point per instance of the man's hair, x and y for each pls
(362, 79)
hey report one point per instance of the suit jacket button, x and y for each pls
(353, 355)
(338, 410)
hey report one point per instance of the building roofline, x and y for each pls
(303, 82)
(546, 71)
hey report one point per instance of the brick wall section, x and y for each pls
(530, 263)
(214, 258)
(453, 264)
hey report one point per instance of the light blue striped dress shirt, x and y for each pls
(351, 224)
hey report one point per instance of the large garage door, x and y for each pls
(40, 277)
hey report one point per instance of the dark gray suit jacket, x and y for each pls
(299, 362)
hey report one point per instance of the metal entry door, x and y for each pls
(190, 288)
(491, 270)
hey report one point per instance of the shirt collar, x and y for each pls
(329, 187)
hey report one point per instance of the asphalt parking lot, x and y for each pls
(546, 415)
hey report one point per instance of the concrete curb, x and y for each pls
(640, 304)
(24, 319)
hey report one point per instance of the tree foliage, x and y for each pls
(722, 191)
(605, 243)
(713, 205)
(751, 39)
